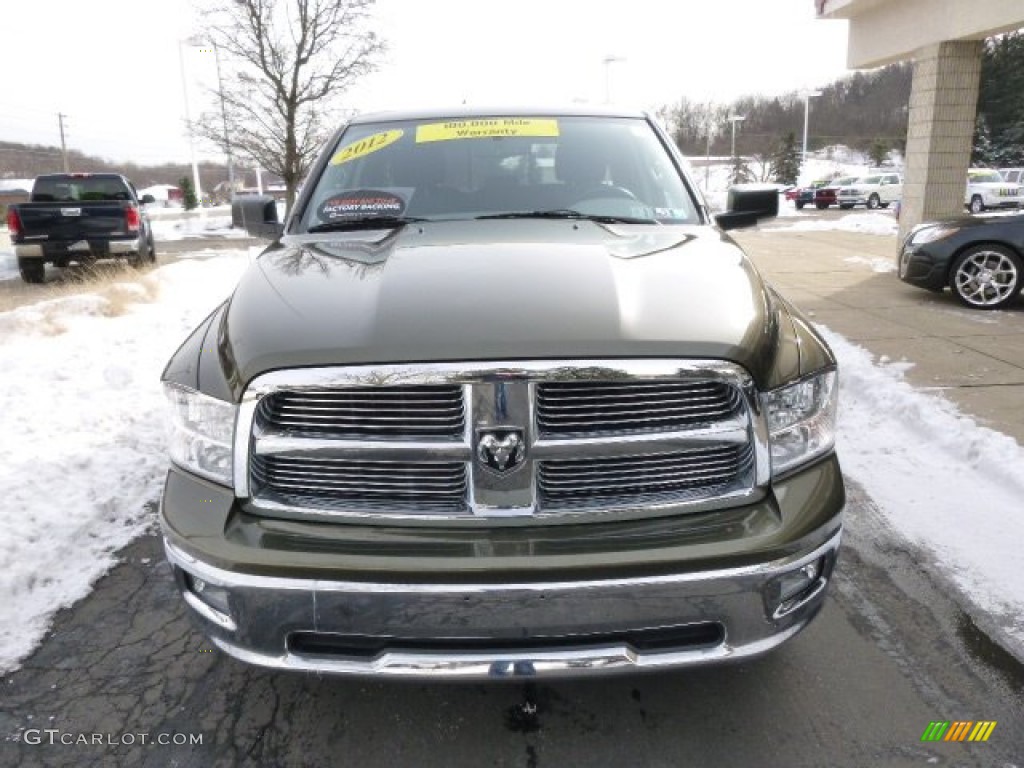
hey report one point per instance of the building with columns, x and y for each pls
(944, 38)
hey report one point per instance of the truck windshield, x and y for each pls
(613, 169)
(71, 189)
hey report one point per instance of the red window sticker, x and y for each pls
(362, 202)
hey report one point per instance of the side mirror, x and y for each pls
(147, 199)
(747, 203)
(257, 215)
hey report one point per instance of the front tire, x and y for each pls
(800, 205)
(846, 206)
(874, 202)
(32, 270)
(821, 206)
(986, 276)
(977, 205)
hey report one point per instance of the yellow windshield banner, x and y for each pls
(487, 128)
(363, 147)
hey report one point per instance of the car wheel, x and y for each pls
(846, 206)
(800, 205)
(873, 202)
(986, 276)
(884, 205)
(977, 205)
(32, 270)
(151, 253)
(821, 206)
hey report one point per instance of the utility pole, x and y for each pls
(63, 144)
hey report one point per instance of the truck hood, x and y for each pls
(504, 290)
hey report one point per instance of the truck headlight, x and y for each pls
(801, 420)
(201, 433)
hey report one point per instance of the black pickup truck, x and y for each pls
(79, 217)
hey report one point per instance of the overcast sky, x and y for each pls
(112, 66)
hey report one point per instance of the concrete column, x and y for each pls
(943, 104)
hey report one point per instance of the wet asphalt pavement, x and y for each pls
(124, 670)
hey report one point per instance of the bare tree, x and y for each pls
(287, 62)
(763, 167)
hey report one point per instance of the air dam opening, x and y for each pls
(363, 647)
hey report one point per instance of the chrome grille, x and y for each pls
(366, 412)
(593, 407)
(399, 486)
(608, 436)
(648, 478)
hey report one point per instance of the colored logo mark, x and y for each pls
(959, 730)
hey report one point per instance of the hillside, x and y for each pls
(26, 161)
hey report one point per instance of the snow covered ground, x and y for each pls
(175, 224)
(948, 485)
(83, 418)
(80, 391)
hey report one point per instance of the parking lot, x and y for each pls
(847, 282)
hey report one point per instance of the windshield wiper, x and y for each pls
(365, 222)
(569, 213)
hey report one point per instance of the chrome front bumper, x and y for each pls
(489, 631)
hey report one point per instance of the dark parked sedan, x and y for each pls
(980, 259)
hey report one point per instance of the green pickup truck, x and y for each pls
(502, 400)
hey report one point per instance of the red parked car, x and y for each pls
(802, 196)
(826, 195)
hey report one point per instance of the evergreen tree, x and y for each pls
(786, 160)
(878, 152)
(999, 136)
(739, 173)
(188, 193)
(983, 152)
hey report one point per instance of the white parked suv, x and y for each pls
(987, 189)
(875, 191)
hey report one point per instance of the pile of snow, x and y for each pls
(84, 416)
(865, 223)
(194, 225)
(948, 485)
(876, 264)
(8, 261)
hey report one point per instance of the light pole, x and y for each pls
(808, 95)
(197, 41)
(224, 118)
(735, 119)
(608, 61)
(188, 121)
